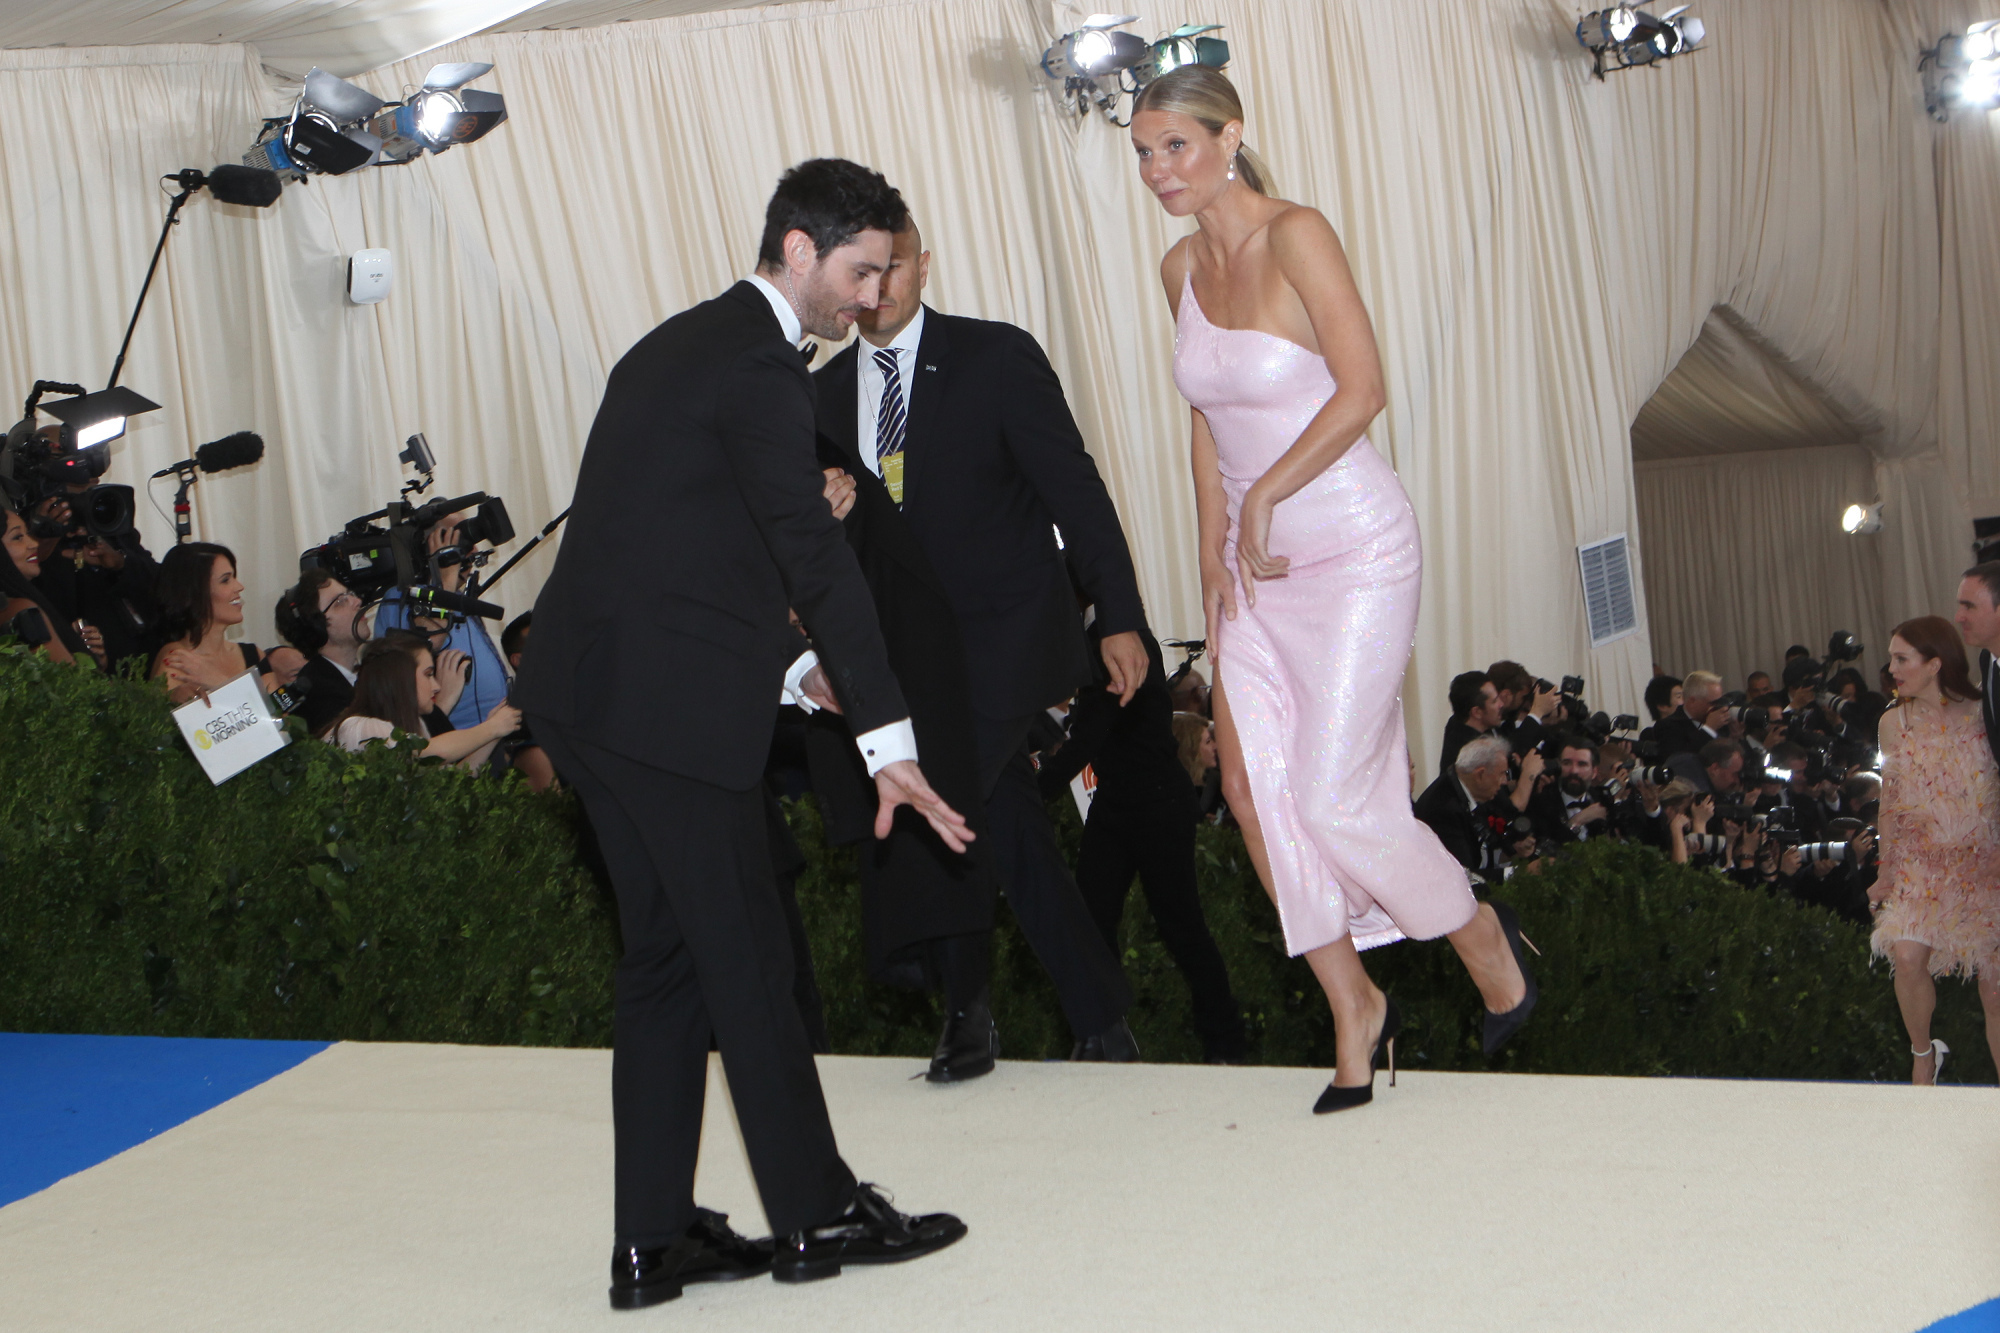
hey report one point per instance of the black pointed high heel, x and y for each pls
(1345, 1099)
(1500, 1028)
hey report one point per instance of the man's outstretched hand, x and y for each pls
(902, 783)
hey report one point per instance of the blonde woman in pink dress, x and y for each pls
(1937, 895)
(1309, 570)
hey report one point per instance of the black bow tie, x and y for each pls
(809, 351)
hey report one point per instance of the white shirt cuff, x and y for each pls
(794, 691)
(887, 745)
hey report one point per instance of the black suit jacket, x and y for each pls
(1677, 733)
(698, 518)
(1463, 831)
(1989, 706)
(913, 887)
(1457, 735)
(329, 696)
(992, 463)
(1132, 748)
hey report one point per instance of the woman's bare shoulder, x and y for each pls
(1301, 231)
(1174, 268)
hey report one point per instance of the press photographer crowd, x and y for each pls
(1775, 782)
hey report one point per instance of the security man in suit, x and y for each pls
(700, 486)
(965, 423)
(1979, 621)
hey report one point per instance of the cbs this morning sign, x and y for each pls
(232, 729)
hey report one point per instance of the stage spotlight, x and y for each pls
(442, 113)
(1185, 45)
(337, 127)
(1962, 72)
(1623, 37)
(1094, 50)
(1099, 67)
(1860, 520)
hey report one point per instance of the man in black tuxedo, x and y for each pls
(1475, 710)
(1687, 729)
(1464, 807)
(1979, 622)
(965, 423)
(653, 690)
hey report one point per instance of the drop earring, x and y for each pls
(1232, 166)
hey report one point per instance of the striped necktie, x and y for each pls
(890, 424)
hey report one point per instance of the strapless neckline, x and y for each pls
(1188, 298)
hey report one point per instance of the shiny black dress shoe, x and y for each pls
(869, 1232)
(968, 1046)
(1501, 1027)
(1115, 1044)
(708, 1251)
(1346, 1099)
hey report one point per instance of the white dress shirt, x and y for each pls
(887, 744)
(868, 386)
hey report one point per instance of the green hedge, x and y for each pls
(383, 897)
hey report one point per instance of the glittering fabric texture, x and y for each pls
(1940, 826)
(1314, 672)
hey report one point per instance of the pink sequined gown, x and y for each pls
(1314, 672)
(1940, 826)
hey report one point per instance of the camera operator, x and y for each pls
(1526, 705)
(1717, 768)
(1634, 802)
(1463, 807)
(1689, 728)
(112, 583)
(1663, 700)
(200, 599)
(486, 681)
(24, 608)
(522, 752)
(322, 618)
(1475, 711)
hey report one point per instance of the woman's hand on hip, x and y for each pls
(1253, 538)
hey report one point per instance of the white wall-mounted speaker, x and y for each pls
(370, 273)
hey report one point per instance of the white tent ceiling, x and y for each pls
(348, 37)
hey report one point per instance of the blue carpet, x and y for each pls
(68, 1103)
(1981, 1318)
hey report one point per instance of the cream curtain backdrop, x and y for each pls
(1743, 559)
(1538, 250)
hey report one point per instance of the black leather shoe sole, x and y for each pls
(960, 1071)
(638, 1298)
(816, 1267)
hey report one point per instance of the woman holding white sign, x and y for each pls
(396, 689)
(202, 600)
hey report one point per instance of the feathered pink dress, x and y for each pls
(1313, 673)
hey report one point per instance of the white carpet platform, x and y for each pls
(406, 1188)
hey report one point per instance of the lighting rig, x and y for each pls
(336, 127)
(1962, 72)
(1098, 66)
(1626, 38)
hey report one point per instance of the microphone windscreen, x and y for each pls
(253, 187)
(230, 451)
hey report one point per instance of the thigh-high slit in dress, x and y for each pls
(1313, 673)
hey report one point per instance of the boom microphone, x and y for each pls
(253, 187)
(238, 450)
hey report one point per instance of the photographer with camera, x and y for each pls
(1475, 711)
(1687, 729)
(1483, 832)
(200, 600)
(1717, 768)
(25, 612)
(1576, 809)
(1634, 802)
(1526, 705)
(396, 690)
(1937, 908)
(466, 655)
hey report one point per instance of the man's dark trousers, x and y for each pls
(1044, 898)
(699, 911)
(1155, 841)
